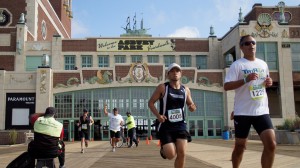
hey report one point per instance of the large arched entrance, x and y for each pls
(206, 122)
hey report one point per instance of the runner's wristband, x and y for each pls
(245, 81)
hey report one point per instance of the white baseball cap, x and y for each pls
(173, 65)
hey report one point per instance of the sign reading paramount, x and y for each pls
(140, 45)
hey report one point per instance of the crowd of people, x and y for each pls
(248, 77)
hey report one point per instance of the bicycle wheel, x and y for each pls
(119, 144)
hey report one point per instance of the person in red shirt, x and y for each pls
(48, 137)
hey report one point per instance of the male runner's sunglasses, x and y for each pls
(247, 43)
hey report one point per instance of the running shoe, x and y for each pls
(113, 149)
(189, 138)
(63, 166)
(82, 151)
(136, 144)
(162, 153)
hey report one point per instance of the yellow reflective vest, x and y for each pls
(132, 124)
(48, 126)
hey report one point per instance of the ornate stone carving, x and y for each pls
(20, 79)
(101, 78)
(205, 82)
(70, 83)
(43, 82)
(185, 80)
(38, 47)
(138, 73)
(243, 33)
(264, 26)
(284, 34)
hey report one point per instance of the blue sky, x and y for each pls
(164, 18)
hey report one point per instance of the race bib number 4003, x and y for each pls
(175, 115)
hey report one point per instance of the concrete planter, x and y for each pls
(298, 131)
(293, 137)
(281, 136)
(5, 139)
(287, 137)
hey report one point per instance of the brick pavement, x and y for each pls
(211, 153)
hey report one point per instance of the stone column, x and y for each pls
(44, 87)
(3, 100)
(228, 103)
(286, 82)
(213, 59)
(57, 59)
(20, 57)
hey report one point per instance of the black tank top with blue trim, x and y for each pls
(172, 106)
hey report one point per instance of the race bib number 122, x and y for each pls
(257, 92)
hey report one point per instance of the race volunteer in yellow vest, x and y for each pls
(48, 136)
(131, 129)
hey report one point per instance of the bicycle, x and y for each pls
(120, 143)
(123, 140)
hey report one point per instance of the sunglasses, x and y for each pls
(247, 43)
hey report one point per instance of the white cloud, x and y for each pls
(78, 29)
(157, 18)
(229, 10)
(191, 32)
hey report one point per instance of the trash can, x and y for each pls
(226, 135)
